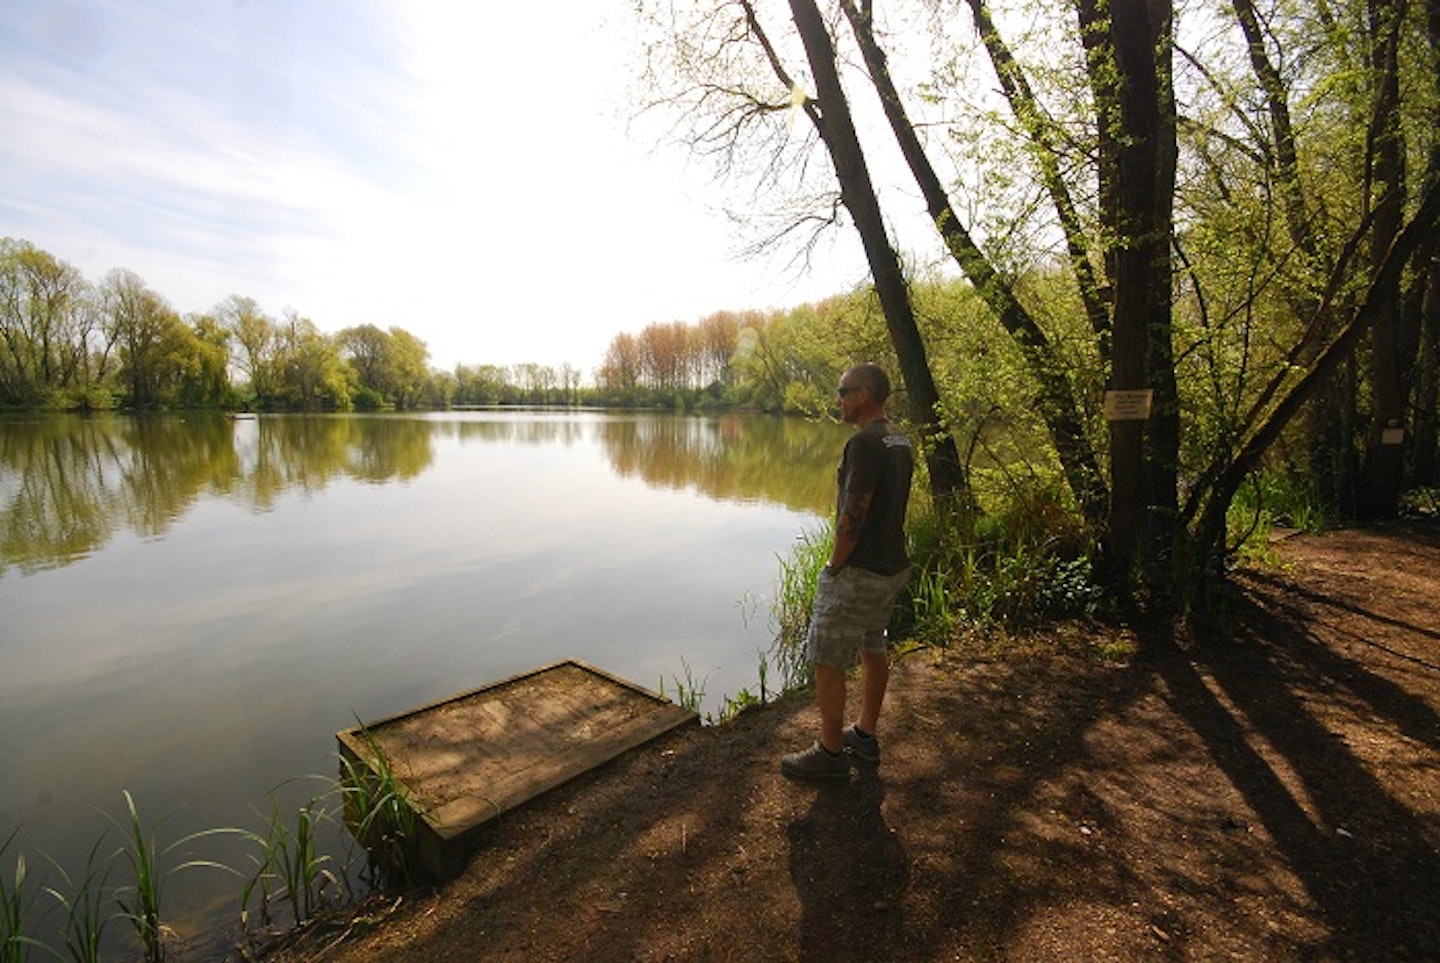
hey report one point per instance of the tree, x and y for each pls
(1392, 348)
(1423, 300)
(312, 374)
(832, 117)
(714, 341)
(481, 385)
(149, 335)
(390, 365)
(256, 339)
(411, 363)
(744, 91)
(665, 356)
(1343, 279)
(367, 350)
(45, 325)
(1105, 155)
(1056, 399)
(204, 377)
(1127, 45)
(570, 384)
(409, 359)
(620, 371)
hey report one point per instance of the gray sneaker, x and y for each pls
(866, 750)
(815, 763)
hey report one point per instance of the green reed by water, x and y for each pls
(67, 917)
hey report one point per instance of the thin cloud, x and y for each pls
(457, 170)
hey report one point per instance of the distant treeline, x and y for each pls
(67, 343)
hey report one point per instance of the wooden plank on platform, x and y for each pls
(473, 756)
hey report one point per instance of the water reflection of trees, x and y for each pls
(68, 484)
(733, 457)
(278, 453)
(524, 428)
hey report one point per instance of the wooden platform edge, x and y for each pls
(442, 837)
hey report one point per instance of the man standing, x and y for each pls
(857, 589)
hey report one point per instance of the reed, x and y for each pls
(734, 705)
(382, 817)
(17, 902)
(934, 614)
(84, 903)
(689, 691)
(141, 903)
(290, 867)
(1027, 562)
(790, 610)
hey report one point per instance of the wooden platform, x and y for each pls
(469, 758)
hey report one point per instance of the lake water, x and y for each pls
(192, 606)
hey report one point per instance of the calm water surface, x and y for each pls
(190, 607)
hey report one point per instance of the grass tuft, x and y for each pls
(84, 904)
(290, 868)
(17, 904)
(790, 611)
(141, 903)
(689, 691)
(382, 817)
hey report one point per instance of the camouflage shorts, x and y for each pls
(851, 611)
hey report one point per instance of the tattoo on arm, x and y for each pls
(852, 515)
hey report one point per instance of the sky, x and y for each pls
(459, 170)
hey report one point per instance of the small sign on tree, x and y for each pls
(1131, 405)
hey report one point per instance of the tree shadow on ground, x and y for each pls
(1270, 702)
(1001, 735)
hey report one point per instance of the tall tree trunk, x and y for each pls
(1427, 440)
(1425, 450)
(837, 130)
(1328, 428)
(1127, 45)
(1384, 464)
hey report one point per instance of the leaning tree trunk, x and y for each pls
(1387, 279)
(1056, 400)
(1427, 386)
(837, 130)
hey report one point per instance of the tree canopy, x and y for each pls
(1219, 219)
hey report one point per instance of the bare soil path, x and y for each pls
(1271, 791)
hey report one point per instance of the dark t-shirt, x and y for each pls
(880, 460)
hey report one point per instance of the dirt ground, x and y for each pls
(1270, 791)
